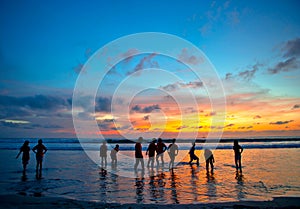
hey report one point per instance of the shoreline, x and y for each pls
(19, 201)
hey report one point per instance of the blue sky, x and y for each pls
(44, 43)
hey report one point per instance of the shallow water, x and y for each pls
(266, 173)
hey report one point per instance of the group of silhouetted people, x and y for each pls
(156, 150)
(39, 151)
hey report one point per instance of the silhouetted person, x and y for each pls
(173, 152)
(209, 158)
(113, 155)
(138, 154)
(161, 148)
(39, 151)
(151, 151)
(103, 154)
(192, 154)
(237, 155)
(25, 157)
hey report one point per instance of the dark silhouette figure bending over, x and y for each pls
(192, 154)
(173, 152)
(39, 151)
(209, 159)
(25, 157)
(113, 155)
(151, 152)
(237, 155)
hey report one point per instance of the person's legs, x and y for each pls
(142, 163)
(41, 166)
(105, 160)
(136, 163)
(197, 159)
(207, 164)
(162, 159)
(236, 163)
(211, 165)
(240, 164)
(157, 162)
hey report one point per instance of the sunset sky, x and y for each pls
(254, 47)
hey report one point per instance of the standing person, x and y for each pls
(40, 151)
(173, 152)
(113, 155)
(103, 154)
(25, 157)
(209, 159)
(138, 154)
(237, 155)
(151, 151)
(192, 154)
(161, 148)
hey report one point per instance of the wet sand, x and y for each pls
(19, 201)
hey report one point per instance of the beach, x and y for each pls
(16, 201)
(270, 179)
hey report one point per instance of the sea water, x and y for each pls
(269, 169)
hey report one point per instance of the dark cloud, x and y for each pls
(229, 125)
(211, 114)
(256, 117)
(145, 62)
(77, 69)
(31, 105)
(106, 124)
(296, 106)
(181, 127)
(188, 58)
(178, 85)
(281, 122)
(246, 75)
(103, 104)
(146, 109)
(228, 76)
(146, 117)
(291, 48)
(284, 66)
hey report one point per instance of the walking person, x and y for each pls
(138, 154)
(192, 154)
(151, 153)
(237, 155)
(39, 151)
(25, 157)
(173, 152)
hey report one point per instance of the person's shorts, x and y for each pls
(25, 162)
(39, 158)
(237, 157)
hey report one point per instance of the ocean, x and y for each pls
(271, 168)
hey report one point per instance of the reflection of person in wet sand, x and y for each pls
(103, 154)
(192, 154)
(209, 158)
(161, 148)
(25, 157)
(151, 151)
(138, 154)
(173, 187)
(173, 152)
(237, 155)
(39, 150)
(113, 155)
